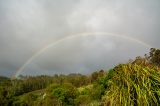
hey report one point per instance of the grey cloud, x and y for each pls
(26, 26)
(85, 54)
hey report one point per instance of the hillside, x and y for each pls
(136, 83)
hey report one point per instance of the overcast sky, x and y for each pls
(26, 26)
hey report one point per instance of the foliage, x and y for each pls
(131, 85)
(154, 56)
(83, 100)
(66, 93)
(136, 83)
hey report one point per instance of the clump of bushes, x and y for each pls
(132, 85)
(66, 93)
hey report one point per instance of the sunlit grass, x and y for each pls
(131, 85)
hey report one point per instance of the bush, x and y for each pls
(66, 93)
(83, 100)
(131, 85)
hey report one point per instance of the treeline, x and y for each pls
(10, 88)
(136, 83)
(31, 83)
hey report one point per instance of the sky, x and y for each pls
(28, 26)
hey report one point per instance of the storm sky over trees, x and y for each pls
(27, 26)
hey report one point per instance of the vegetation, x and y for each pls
(136, 83)
(132, 84)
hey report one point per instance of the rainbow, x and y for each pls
(75, 36)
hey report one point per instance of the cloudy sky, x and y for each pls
(28, 26)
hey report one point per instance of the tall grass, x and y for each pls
(133, 85)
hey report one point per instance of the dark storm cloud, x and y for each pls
(26, 26)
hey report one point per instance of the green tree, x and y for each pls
(154, 56)
(65, 93)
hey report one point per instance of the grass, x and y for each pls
(131, 85)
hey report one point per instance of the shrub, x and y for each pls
(131, 85)
(66, 93)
